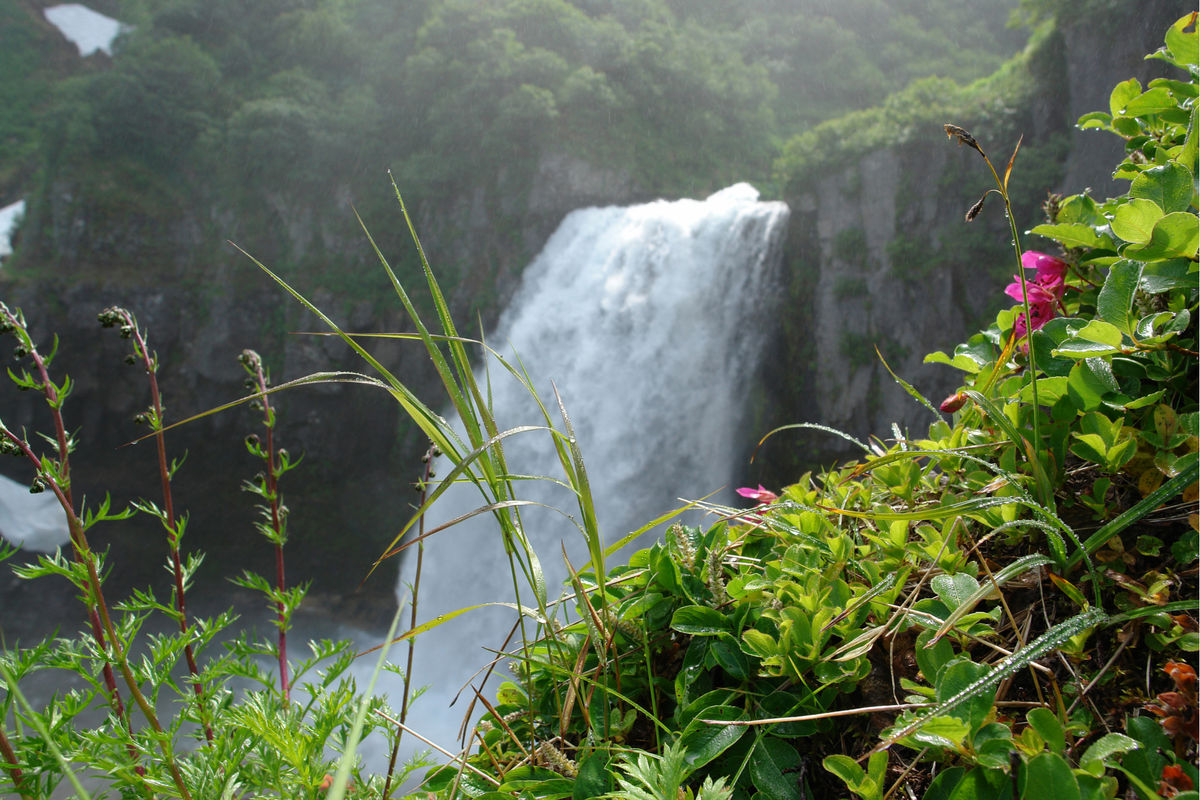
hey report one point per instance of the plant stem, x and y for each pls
(254, 363)
(10, 761)
(1016, 243)
(150, 364)
(416, 589)
(61, 485)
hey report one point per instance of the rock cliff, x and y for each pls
(880, 257)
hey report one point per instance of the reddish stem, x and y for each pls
(276, 515)
(61, 486)
(173, 537)
(10, 759)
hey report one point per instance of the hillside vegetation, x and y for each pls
(215, 120)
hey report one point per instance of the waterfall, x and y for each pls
(648, 320)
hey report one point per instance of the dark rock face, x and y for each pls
(352, 493)
(1104, 51)
(879, 254)
(343, 496)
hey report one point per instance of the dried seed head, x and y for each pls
(716, 577)
(38, 486)
(974, 210)
(686, 553)
(1051, 206)
(955, 132)
(557, 761)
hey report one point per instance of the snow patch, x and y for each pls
(33, 521)
(10, 215)
(87, 29)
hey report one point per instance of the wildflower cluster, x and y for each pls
(1044, 292)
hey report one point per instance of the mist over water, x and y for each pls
(646, 319)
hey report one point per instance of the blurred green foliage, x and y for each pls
(264, 113)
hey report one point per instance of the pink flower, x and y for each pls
(1049, 269)
(1045, 290)
(761, 495)
(1048, 283)
(1041, 313)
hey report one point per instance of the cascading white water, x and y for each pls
(648, 320)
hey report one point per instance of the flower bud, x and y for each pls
(954, 402)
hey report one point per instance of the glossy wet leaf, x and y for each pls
(700, 621)
(1115, 300)
(1168, 186)
(1135, 220)
(704, 741)
(1044, 721)
(1175, 235)
(1099, 752)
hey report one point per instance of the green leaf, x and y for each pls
(758, 644)
(594, 779)
(1084, 388)
(1081, 348)
(944, 783)
(847, 769)
(1168, 186)
(983, 784)
(700, 621)
(704, 741)
(1151, 101)
(1181, 43)
(1173, 236)
(1071, 234)
(954, 590)
(1162, 276)
(1048, 727)
(932, 659)
(1115, 300)
(766, 770)
(957, 679)
(729, 656)
(945, 732)
(1095, 758)
(1134, 221)
(1047, 775)
(1121, 94)
(1094, 119)
(1050, 390)
(1102, 332)
(1079, 208)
